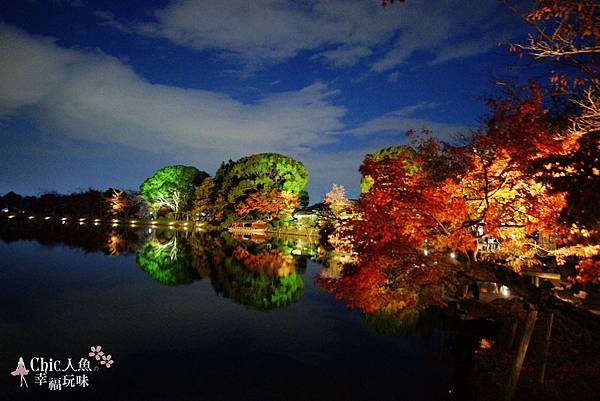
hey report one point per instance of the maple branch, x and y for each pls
(536, 246)
(495, 191)
(486, 188)
(557, 45)
(589, 120)
(513, 226)
(444, 230)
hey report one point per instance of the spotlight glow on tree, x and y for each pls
(172, 187)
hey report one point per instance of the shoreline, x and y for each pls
(133, 223)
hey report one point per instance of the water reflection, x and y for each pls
(408, 321)
(89, 238)
(262, 273)
(167, 261)
(173, 286)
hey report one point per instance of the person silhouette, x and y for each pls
(21, 370)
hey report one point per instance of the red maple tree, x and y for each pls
(268, 205)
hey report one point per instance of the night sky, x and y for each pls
(100, 93)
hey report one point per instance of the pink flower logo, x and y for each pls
(107, 360)
(96, 352)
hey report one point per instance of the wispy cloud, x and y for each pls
(398, 122)
(438, 28)
(341, 33)
(108, 19)
(344, 56)
(95, 97)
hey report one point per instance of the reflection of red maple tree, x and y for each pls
(272, 262)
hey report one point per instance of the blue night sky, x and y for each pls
(100, 93)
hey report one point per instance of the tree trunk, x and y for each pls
(515, 372)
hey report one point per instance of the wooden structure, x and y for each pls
(248, 226)
(253, 230)
(487, 244)
(258, 237)
(554, 278)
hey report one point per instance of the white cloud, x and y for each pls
(93, 97)
(464, 49)
(440, 27)
(399, 121)
(96, 97)
(344, 56)
(340, 32)
(265, 31)
(30, 69)
(108, 19)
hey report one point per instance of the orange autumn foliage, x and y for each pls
(273, 262)
(433, 202)
(268, 205)
(530, 172)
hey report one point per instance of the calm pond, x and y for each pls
(192, 316)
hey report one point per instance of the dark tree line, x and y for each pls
(87, 203)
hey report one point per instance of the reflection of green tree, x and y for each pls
(295, 245)
(166, 263)
(333, 261)
(407, 321)
(256, 275)
(207, 252)
(259, 289)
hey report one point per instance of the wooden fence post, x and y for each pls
(515, 371)
(546, 349)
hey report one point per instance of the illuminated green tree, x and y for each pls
(203, 204)
(236, 180)
(263, 171)
(172, 187)
(406, 153)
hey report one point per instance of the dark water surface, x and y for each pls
(207, 329)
